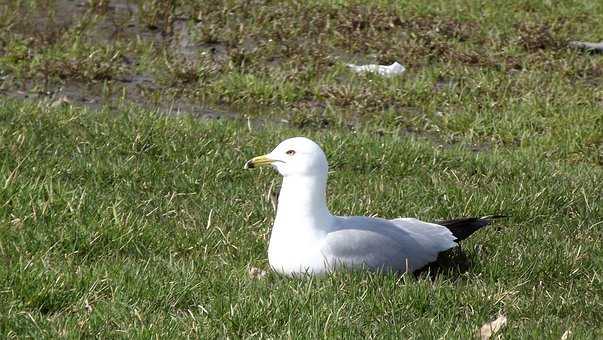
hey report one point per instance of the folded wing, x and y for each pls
(379, 244)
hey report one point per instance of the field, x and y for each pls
(124, 127)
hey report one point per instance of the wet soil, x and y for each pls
(117, 19)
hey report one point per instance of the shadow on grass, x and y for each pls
(451, 264)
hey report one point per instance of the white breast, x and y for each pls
(295, 250)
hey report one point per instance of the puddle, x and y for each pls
(117, 19)
(91, 96)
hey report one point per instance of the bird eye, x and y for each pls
(290, 152)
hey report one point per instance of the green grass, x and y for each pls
(117, 219)
(106, 231)
(469, 62)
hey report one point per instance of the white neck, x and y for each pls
(303, 199)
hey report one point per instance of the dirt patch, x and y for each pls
(539, 37)
(105, 77)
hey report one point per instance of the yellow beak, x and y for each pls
(258, 161)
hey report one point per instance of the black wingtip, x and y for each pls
(462, 228)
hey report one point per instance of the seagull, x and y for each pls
(307, 239)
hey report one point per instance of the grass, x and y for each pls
(118, 219)
(116, 225)
(468, 62)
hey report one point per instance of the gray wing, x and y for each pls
(400, 245)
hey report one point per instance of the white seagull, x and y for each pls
(307, 239)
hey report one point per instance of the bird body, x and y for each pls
(357, 242)
(306, 238)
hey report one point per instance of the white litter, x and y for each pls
(382, 70)
(587, 46)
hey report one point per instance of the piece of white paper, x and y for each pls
(382, 70)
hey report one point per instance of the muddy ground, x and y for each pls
(113, 20)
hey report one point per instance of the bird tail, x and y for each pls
(462, 228)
